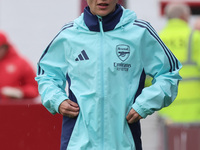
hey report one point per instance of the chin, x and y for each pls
(103, 14)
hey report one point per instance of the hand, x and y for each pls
(69, 108)
(133, 116)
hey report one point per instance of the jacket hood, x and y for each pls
(118, 18)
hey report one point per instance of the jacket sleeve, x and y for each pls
(159, 63)
(51, 75)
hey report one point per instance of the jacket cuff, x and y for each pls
(139, 110)
(58, 102)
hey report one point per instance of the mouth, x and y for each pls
(102, 5)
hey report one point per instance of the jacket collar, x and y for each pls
(109, 21)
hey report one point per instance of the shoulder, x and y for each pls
(143, 24)
(145, 27)
(67, 26)
(65, 31)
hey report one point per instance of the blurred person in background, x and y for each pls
(16, 74)
(185, 44)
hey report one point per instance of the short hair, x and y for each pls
(177, 10)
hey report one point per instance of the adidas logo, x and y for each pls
(82, 56)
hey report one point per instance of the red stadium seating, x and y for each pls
(27, 125)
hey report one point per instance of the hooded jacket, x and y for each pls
(105, 60)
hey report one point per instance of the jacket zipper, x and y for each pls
(102, 76)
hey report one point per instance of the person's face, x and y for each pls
(3, 51)
(102, 7)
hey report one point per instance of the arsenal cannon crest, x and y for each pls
(123, 52)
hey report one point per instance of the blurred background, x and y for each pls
(31, 25)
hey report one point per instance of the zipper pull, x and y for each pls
(100, 23)
(100, 18)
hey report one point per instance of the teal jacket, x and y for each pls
(105, 61)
